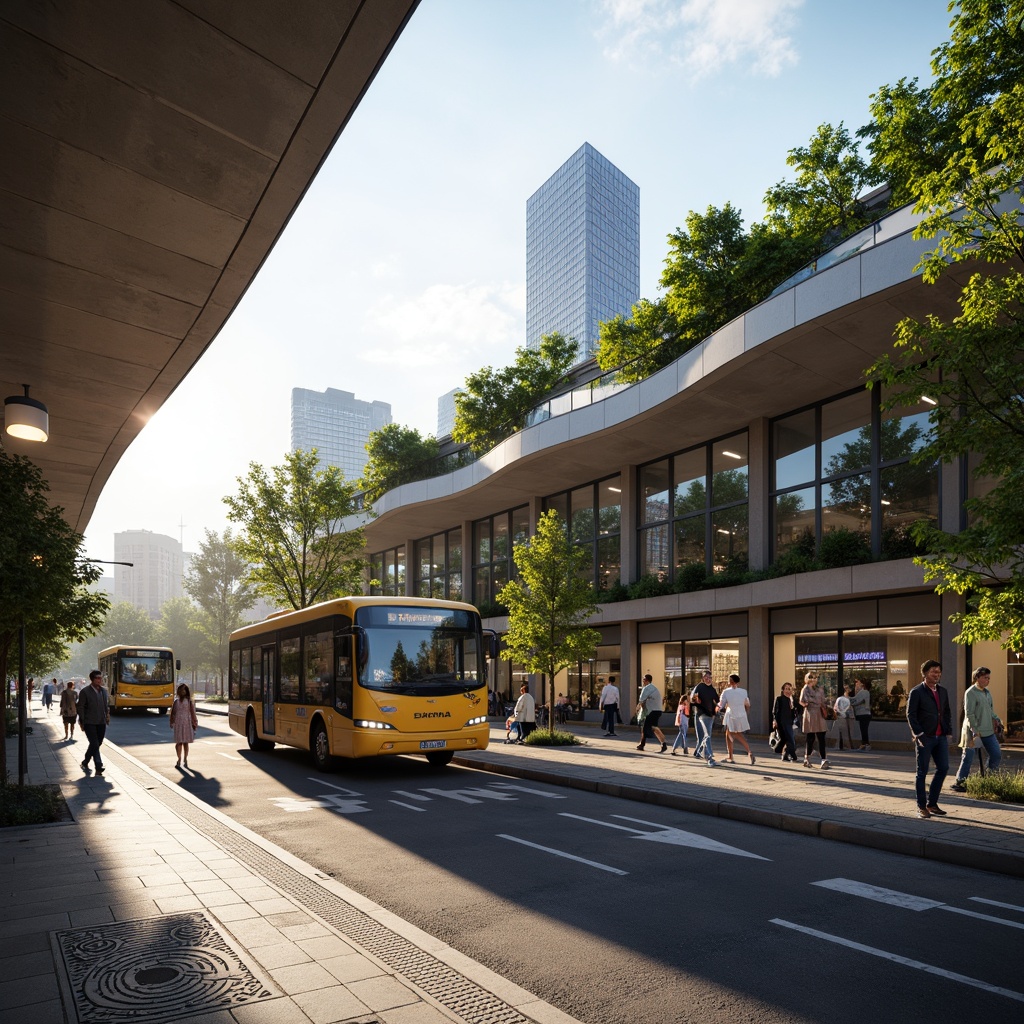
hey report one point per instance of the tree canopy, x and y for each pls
(970, 365)
(217, 580)
(45, 575)
(495, 403)
(292, 534)
(397, 455)
(549, 602)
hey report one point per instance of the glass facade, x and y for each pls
(493, 540)
(845, 464)
(337, 425)
(888, 660)
(694, 510)
(594, 515)
(677, 667)
(437, 566)
(582, 250)
(387, 572)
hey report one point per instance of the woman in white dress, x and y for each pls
(735, 702)
(184, 723)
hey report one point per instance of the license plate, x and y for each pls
(432, 744)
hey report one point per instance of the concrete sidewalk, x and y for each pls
(151, 907)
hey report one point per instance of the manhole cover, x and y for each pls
(158, 969)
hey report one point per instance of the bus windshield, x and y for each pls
(146, 667)
(419, 651)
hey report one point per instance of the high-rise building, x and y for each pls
(337, 425)
(446, 413)
(155, 575)
(582, 250)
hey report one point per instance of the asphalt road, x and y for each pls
(619, 912)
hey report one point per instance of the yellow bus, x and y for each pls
(139, 677)
(362, 677)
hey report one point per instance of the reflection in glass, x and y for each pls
(794, 518)
(729, 470)
(582, 526)
(690, 475)
(846, 504)
(846, 434)
(794, 447)
(904, 431)
(690, 540)
(729, 538)
(654, 552)
(609, 562)
(654, 492)
(609, 494)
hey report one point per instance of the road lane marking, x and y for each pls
(962, 979)
(528, 789)
(470, 796)
(906, 900)
(412, 796)
(323, 782)
(996, 903)
(411, 807)
(562, 853)
(230, 757)
(667, 834)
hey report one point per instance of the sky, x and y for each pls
(403, 269)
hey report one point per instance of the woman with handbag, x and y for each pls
(183, 722)
(812, 700)
(783, 720)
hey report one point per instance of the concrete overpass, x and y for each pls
(152, 155)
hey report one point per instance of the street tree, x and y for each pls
(293, 536)
(494, 404)
(45, 576)
(181, 627)
(396, 455)
(217, 581)
(549, 603)
(126, 624)
(970, 364)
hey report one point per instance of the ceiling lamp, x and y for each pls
(26, 417)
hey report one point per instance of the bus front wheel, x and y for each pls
(439, 758)
(320, 748)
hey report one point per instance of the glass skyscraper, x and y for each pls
(337, 425)
(582, 250)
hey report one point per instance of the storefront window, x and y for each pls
(678, 667)
(594, 516)
(494, 539)
(888, 660)
(387, 572)
(438, 566)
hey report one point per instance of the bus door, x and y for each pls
(268, 664)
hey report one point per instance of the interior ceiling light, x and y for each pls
(26, 417)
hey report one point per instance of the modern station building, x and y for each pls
(582, 250)
(759, 440)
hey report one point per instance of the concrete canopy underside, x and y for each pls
(152, 155)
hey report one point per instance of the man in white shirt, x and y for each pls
(609, 704)
(525, 714)
(649, 707)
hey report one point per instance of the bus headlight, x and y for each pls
(363, 723)
(479, 720)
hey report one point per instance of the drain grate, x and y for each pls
(441, 982)
(157, 969)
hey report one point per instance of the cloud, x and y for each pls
(701, 36)
(443, 322)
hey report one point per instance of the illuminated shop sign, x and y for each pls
(825, 659)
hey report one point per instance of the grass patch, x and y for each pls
(1007, 787)
(215, 698)
(546, 738)
(31, 805)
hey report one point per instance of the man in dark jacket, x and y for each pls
(94, 716)
(931, 723)
(704, 699)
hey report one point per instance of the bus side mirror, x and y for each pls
(492, 648)
(177, 665)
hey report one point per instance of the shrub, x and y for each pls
(32, 805)
(1005, 786)
(842, 547)
(691, 576)
(547, 738)
(618, 591)
(649, 586)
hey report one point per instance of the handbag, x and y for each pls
(775, 741)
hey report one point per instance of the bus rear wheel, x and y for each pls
(252, 737)
(320, 748)
(439, 758)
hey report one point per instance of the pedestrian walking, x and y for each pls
(183, 722)
(930, 723)
(69, 711)
(842, 724)
(981, 728)
(682, 724)
(525, 713)
(812, 700)
(49, 689)
(608, 702)
(735, 703)
(648, 713)
(784, 719)
(94, 716)
(704, 699)
(861, 704)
